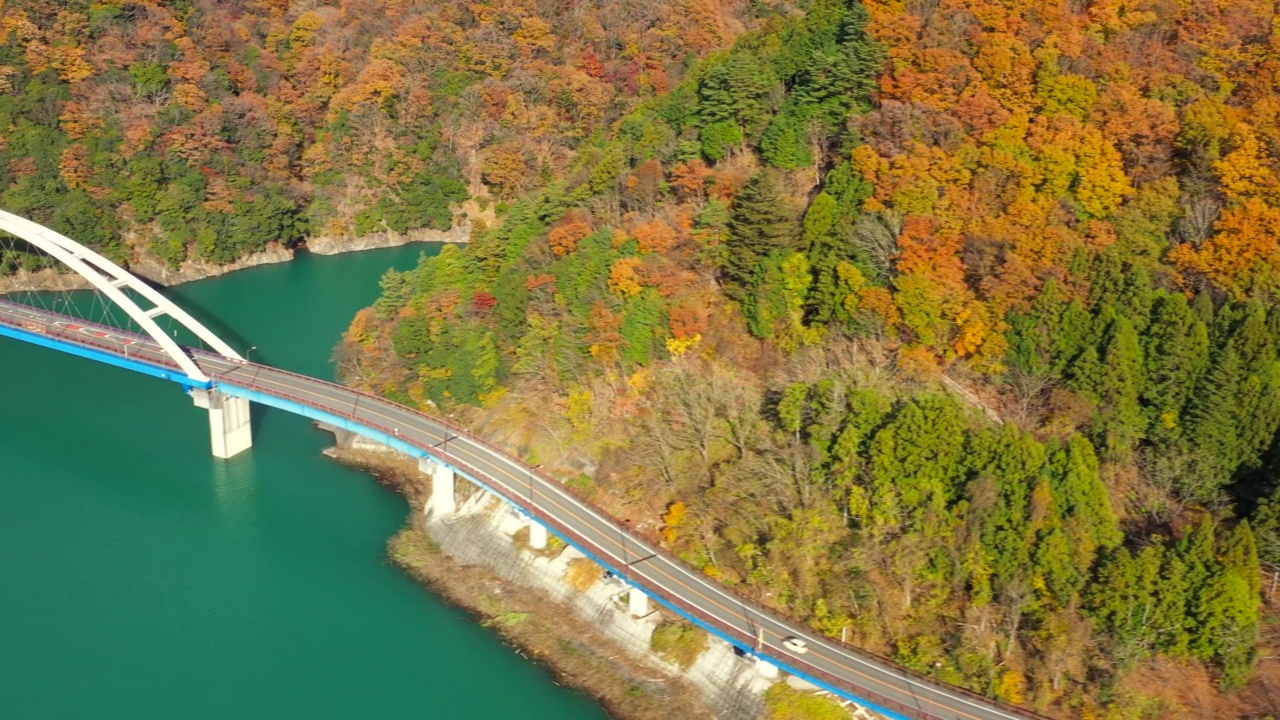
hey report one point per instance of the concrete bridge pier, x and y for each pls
(637, 603)
(229, 430)
(537, 535)
(442, 485)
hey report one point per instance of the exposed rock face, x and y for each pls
(459, 233)
(147, 268)
(157, 272)
(150, 268)
(482, 533)
(49, 279)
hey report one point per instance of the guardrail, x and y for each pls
(513, 496)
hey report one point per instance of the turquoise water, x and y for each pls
(142, 578)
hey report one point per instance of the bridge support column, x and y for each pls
(229, 429)
(537, 535)
(637, 603)
(442, 500)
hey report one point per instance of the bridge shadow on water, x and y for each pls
(204, 317)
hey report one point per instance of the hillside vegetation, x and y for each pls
(747, 304)
(205, 129)
(950, 327)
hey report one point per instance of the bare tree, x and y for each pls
(876, 234)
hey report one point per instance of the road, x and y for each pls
(718, 608)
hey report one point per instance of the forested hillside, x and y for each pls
(951, 327)
(753, 303)
(206, 129)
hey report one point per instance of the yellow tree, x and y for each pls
(1247, 171)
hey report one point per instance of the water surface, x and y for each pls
(142, 578)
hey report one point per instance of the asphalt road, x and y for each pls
(747, 624)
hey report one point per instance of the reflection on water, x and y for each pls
(234, 487)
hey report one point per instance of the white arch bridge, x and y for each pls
(224, 383)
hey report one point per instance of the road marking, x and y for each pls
(556, 495)
(679, 579)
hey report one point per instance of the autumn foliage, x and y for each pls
(219, 126)
(952, 326)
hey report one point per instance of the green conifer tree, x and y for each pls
(1120, 387)
(1240, 553)
(1123, 597)
(1224, 608)
(1009, 464)
(736, 91)
(785, 143)
(1033, 333)
(1089, 520)
(1235, 412)
(761, 223)
(1169, 630)
(1176, 359)
(1203, 306)
(1266, 528)
(1071, 336)
(918, 465)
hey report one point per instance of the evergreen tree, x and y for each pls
(1266, 528)
(1224, 601)
(1137, 296)
(1009, 464)
(1055, 566)
(719, 138)
(1224, 608)
(1240, 553)
(776, 309)
(1225, 324)
(1089, 520)
(1107, 278)
(736, 91)
(1070, 336)
(829, 62)
(1203, 307)
(1176, 358)
(1169, 626)
(818, 222)
(1252, 339)
(1123, 599)
(918, 464)
(866, 412)
(1198, 551)
(1034, 332)
(1228, 618)
(1235, 411)
(1120, 387)
(824, 295)
(785, 143)
(760, 225)
(1085, 375)
(1212, 422)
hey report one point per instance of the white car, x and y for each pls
(796, 645)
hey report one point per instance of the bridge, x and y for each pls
(224, 384)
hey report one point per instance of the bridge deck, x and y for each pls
(850, 672)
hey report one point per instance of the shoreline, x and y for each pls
(539, 627)
(152, 270)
